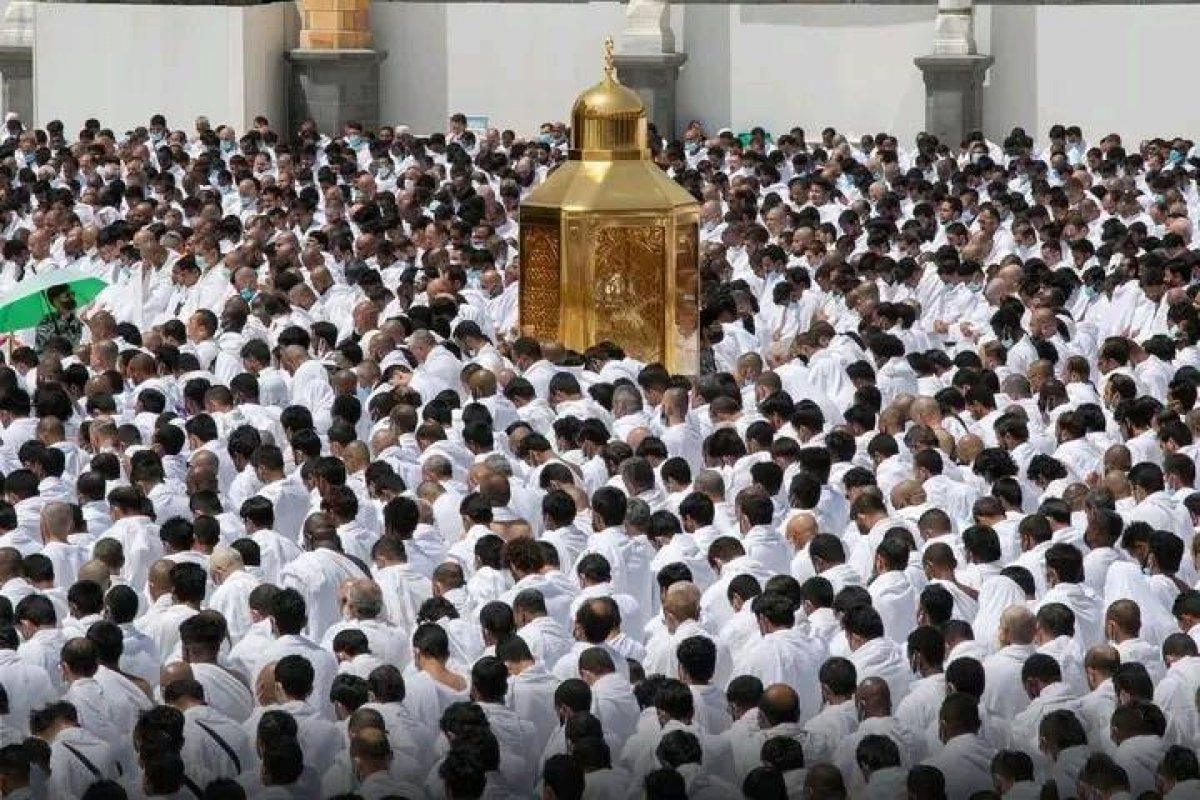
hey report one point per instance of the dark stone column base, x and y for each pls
(653, 77)
(16, 69)
(953, 94)
(333, 87)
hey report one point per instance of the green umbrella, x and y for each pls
(26, 305)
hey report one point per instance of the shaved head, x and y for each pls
(682, 601)
(1017, 626)
(874, 697)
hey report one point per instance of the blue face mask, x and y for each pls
(227, 146)
(201, 262)
(248, 294)
(546, 138)
(354, 141)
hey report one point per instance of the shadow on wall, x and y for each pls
(1010, 94)
(705, 88)
(414, 83)
(846, 65)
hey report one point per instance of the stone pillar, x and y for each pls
(334, 74)
(335, 24)
(333, 87)
(647, 61)
(954, 74)
(647, 28)
(954, 28)
(16, 60)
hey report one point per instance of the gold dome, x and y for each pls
(608, 120)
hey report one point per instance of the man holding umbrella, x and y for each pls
(61, 320)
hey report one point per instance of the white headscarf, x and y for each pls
(997, 595)
(1125, 581)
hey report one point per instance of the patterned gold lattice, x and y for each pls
(539, 300)
(628, 286)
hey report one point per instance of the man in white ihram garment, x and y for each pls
(786, 653)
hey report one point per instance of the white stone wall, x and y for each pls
(1104, 67)
(122, 63)
(848, 66)
(524, 63)
(1123, 69)
(517, 63)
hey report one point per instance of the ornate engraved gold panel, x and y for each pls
(628, 285)
(539, 300)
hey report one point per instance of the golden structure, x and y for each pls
(335, 24)
(609, 243)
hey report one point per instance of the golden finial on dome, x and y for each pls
(609, 242)
(608, 118)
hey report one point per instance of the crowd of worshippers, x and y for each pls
(292, 510)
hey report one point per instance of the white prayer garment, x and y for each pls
(310, 480)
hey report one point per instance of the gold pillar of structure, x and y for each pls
(335, 24)
(609, 243)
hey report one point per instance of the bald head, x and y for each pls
(381, 440)
(908, 493)
(58, 521)
(682, 601)
(176, 671)
(205, 460)
(1103, 660)
(1126, 616)
(1017, 626)
(264, 685)
(225, 560)
(874, 698)
(370, 745)
(293, 356)
(779, 704)
(675, 403)
(364, 599)
(969, 447)
(159, 578)
(638, 435)
(97, 572)
(10, 562)
(925, 411)
(356, 456)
